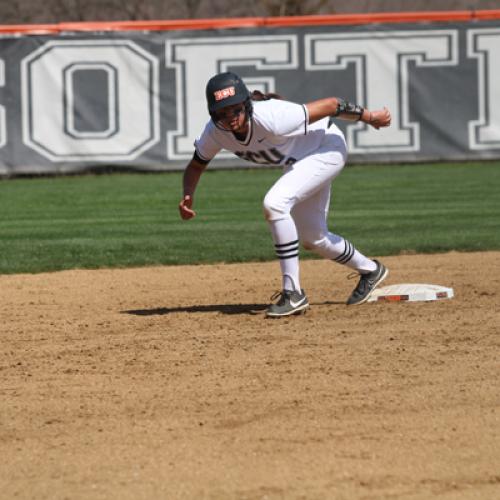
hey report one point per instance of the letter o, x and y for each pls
(48, 102)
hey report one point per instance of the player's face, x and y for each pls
(232, 117)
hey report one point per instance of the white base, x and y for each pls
(411, 293)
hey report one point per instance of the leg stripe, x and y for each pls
(283, 257)
(281, 245)
(347, 255)
(287, 250)
(285, 254)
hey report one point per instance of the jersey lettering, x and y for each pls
(270, 157)
(273, 156)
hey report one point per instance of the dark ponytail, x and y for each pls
(257, 95)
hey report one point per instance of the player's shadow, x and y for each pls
(222, 308)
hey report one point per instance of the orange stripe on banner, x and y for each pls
(253, 22)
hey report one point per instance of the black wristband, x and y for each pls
(348, 109)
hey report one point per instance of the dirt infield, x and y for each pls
(168, 382)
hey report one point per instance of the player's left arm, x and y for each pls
(337, 107)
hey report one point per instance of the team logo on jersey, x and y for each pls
(224, 93)
(270, 157)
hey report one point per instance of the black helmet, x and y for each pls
(226, 89)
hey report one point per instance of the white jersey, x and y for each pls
(279, 133)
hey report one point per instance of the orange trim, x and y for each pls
(387, 17)
(30, 29)
(486, 14)
(254, 22)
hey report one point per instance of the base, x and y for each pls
(411, 293)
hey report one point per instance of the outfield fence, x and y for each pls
(81, 96)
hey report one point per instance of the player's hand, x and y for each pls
(380, 118)
(185, 208)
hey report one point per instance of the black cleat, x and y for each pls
(367, 283)
(289, 302)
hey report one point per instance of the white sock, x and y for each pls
(340, 250)
(286, 244)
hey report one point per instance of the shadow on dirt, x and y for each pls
(222, 308)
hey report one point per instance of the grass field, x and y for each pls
(123, 220)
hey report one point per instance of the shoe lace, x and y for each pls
(280, 295)
(363, 281)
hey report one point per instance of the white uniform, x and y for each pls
(297, 205)
(279, 134)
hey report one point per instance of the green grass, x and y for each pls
(126, 220)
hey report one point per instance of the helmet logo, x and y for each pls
(224, 93)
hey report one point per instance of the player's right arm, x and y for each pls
(206, 147)
(192, 175)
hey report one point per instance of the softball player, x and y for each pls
(312, 152)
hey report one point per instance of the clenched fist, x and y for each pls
(378, 119)
(185, 209)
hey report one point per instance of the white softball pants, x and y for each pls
(296, 208)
